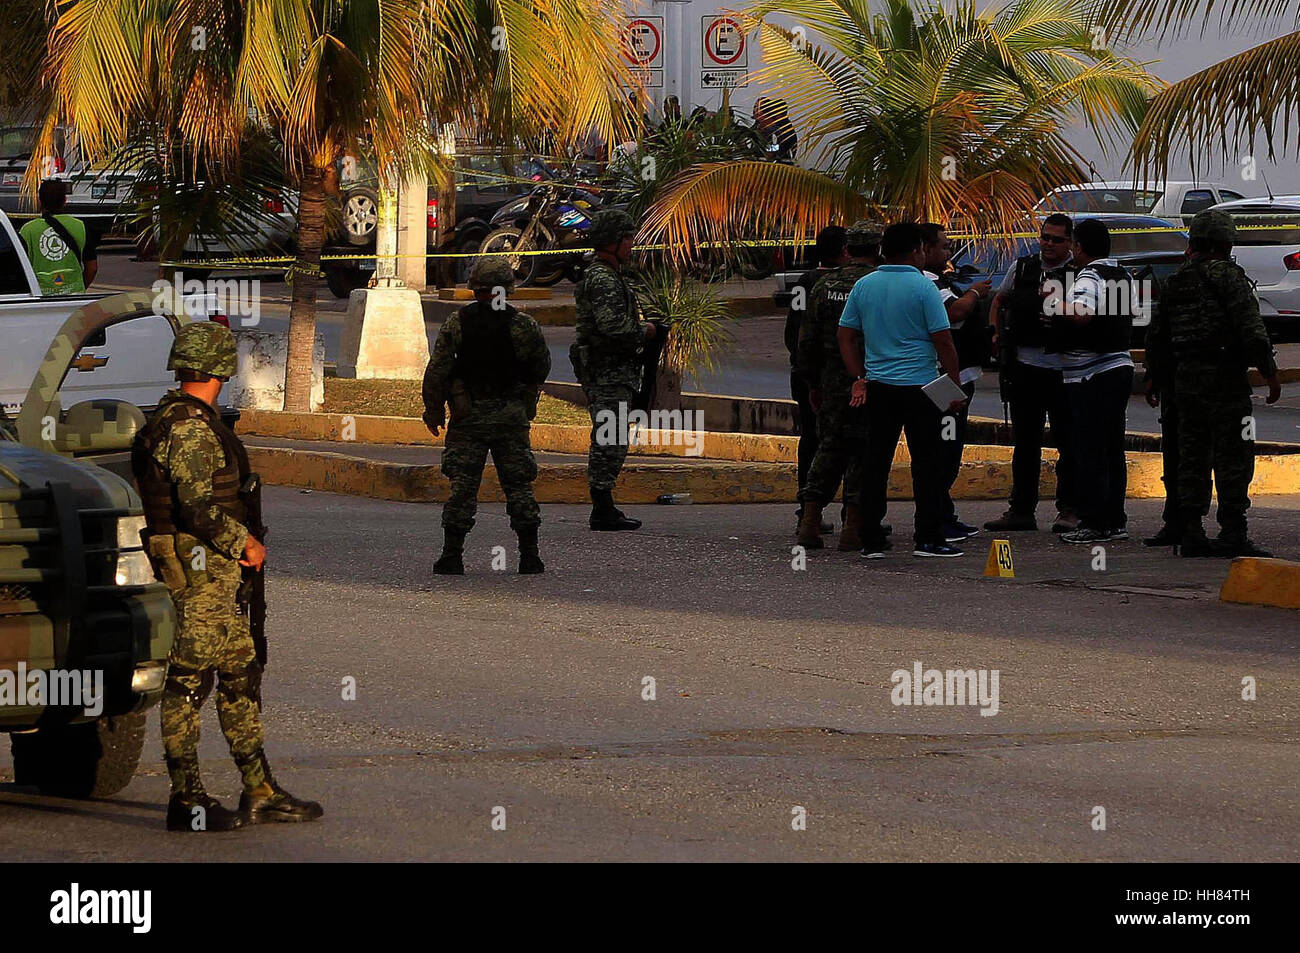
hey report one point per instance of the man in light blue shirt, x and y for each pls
(893, 335)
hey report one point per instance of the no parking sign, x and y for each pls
(643, 49)
(725, 59)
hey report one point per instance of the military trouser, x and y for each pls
(464, 455)
(841, 451)
(1172, 514)
(1212, 431)
(213, 646)
(608, 432)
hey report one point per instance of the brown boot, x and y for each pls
(810, 526)
(851, 534)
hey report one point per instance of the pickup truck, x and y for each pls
(78, 597)
(122, 361)
(1178, 201)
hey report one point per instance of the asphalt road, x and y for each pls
(1118, 689)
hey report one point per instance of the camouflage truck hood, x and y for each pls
(92, 486)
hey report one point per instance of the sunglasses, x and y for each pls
(1053, 239)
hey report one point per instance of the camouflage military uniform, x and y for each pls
(487, 415)
(192, 471)
(1206, 333)
(609, 342)
(841, 429)
(213, 643)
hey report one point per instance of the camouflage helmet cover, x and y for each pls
(206, 347)
(864, 232)
(609, 226)
(1215, 225)
(489, 273)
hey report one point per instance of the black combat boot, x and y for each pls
(606, 516)
(450, 562)
(529, 561)
(191, 808)
(1195, 543)
(269, 802)
(1169, 535)
(1234, 542)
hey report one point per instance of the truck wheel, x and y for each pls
(80, 761)
(361, 216)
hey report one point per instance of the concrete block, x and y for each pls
(259, 385)
(1263, 582)
(384, 335)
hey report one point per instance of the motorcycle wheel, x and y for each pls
(507, 240)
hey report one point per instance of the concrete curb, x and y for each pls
(986, 470)
(1263, 582)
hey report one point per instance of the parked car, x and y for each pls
(1171, 200)
(1268, 248)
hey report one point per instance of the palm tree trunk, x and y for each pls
(302, 311)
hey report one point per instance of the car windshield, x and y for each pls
(993, 258)
(1267, 225)
(17, 143)
(1136, 201)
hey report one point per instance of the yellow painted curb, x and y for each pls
(981, 468)
(1263, 582)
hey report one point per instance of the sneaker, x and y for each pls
(937, 549)
(1086, 535)
(1066, 522)
(1011, 522)
(876, 548)
(956, 531)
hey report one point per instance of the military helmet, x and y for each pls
(609, 226)
(206, 347)
(489, 273)
(1215, 225)
(864, 233)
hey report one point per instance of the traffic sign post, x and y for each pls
(725, 60)
(643, 49)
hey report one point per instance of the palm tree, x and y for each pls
(924, 113)
(1228, 103)
(322, 75)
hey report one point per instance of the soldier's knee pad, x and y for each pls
(189, 684)
(245, 682)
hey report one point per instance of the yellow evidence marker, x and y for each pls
(1000, 564)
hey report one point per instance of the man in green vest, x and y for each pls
(64, 260)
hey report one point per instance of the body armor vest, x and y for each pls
(1110, 329)
(485, 360)
(972, 338)
(158, 492)
(1026, 305)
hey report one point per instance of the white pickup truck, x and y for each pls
(125, 361)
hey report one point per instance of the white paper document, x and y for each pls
(943, 391)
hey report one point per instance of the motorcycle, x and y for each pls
(551, 217)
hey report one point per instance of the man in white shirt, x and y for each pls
(1092, 320)
(970, 337)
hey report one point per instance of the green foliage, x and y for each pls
(697, 316)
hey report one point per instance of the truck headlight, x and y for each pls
(133, 568)
(129, 529)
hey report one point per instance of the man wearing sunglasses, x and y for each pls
(1038, 390)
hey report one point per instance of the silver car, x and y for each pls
(1268, 248)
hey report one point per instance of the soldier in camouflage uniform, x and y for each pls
(607, 358)
(1205, 335)
(489, 363)
(841, 429)
(190, 468)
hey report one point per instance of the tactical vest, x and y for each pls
(597, 358)
(485, 360)
(1105, 333)
(158, 492)
(1197, 321)
(838, 284)
(1028, 327)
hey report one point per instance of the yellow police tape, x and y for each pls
(240, 262)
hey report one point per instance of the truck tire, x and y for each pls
(80, 761)
(361, 216)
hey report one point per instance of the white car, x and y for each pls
(1268, 248)
(1171, 200)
